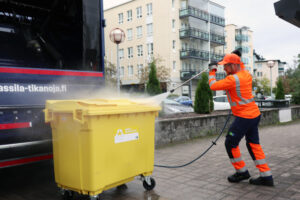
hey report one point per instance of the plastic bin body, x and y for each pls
(95, 147)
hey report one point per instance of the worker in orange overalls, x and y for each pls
(238, 87)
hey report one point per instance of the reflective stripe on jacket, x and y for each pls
(238, 88)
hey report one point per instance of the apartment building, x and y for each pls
(261, 70)
(240, 38)
(185, 34)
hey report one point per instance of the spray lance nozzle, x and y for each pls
(213, 66)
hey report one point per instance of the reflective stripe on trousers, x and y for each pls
(260, 161)
(237, 161)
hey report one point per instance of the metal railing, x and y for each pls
(201, 35)
(201, 14)
(273, 103)
(200, 54)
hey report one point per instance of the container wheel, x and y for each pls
(147, 186)
(94, 197)
(68, 195)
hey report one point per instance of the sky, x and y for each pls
(273, 38)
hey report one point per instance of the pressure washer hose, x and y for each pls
(202, 154)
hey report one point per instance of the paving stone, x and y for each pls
(204, 179)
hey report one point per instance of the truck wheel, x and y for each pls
(149, 187)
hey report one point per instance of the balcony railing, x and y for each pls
(219, 39)
(201, 14)
(193, 33)
(199, 54)
(187, 74)
(201, 35)
(241, 38)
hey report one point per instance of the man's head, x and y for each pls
(232, 63)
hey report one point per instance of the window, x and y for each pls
(139, 12)
(173, 3)
(130, 70)
(121, 54)
(149, 9)
(150, 49)
(173, 23)
(139, 31)
(130, 52)
(120, 18)
(122, 71)
(174, 65)
(140, 50)
(173, 44)
(140, 70)
(129, 15)
(129, 34)
(149, 29)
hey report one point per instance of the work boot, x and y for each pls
(237, 177)
(266, 181)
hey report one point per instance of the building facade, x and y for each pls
(262, 70)
(185, 34)
(240, 38)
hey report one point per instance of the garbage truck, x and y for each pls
(50, 49)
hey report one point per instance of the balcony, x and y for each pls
(201, 35)
(201, 14)
(187, 74)
(193, 12)
(241, 38)
(245, 49)
(200, 54)
(193, 33)
(194, 53)
(218, 39)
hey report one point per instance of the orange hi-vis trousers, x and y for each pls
(249, 128)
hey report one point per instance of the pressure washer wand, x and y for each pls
(171, 91)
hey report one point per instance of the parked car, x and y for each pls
(288, 97)
(221, 102)
(171, 106)
(184, 100)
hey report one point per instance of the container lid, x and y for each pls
(99, 106)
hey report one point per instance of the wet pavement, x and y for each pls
(204, 179)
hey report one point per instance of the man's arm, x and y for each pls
(224, 84)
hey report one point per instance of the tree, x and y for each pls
(293, 76)
(265, 84)
(153, 85)
(110, 74)
(279, 89)
(204, 97)
(162, 72)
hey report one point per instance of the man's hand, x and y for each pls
(213, 66)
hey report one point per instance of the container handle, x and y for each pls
(78, 116)
(48, 115)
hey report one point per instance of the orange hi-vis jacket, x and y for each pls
(238, 88)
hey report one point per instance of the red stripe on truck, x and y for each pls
(25, 160)
(15, 125)
(49, 72)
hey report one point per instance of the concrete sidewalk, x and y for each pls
(207, 177)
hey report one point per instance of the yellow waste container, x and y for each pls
(100, 144)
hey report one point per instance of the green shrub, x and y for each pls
(204, 96)
(279, 90)
(153, 85)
